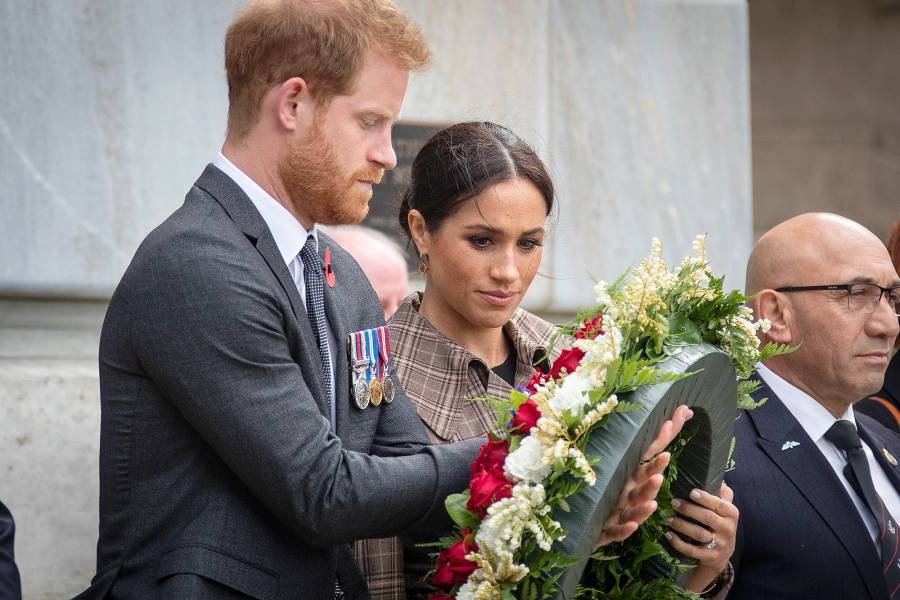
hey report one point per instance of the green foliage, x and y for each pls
(654, 589)
(617, 568)
(770, 350)
(745, 389)
(456, 508)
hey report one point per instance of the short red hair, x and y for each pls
(322, 41)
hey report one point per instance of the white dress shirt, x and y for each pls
(816, 420)
(290, 237)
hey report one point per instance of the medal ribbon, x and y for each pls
(358, 345)
(373, 353)
(384, 348)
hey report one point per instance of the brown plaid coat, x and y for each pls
(442, 379)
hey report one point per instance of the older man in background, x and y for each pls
(381, 260)
(817, 484)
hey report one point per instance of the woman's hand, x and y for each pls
(638, 498)
(716, 534)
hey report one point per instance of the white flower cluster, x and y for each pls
(600, 352)
(739, 338)
(500, 535)
(526, 463)
(572, 395)
(508, 518)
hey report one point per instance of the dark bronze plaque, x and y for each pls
(385, 204)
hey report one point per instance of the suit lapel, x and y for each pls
(814, 478)
(338, 318)
(879, 444)
(241, 210)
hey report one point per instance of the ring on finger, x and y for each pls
(711, 544)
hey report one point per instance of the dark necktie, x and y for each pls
(315, 311)
(843, 434)
(315, 308)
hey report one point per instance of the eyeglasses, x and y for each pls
(861, 297)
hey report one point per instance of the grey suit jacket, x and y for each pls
(219, 476)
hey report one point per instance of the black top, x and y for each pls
(888, 397)
(507, 369)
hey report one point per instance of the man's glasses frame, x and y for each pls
(868, 307)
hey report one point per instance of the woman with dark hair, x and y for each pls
(475, 209)
(884, 406)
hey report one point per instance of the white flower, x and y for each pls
(572, 394)
(700, 245)
(525, 463)
(602, 291)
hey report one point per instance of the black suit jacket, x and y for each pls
(799, 535)
(219, 475)
(10, 586)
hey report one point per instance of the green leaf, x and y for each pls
(683, 328)
(517, 398)
(456, 508)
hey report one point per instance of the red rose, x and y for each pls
(569, 359)
(491, 457)
(591, 328)
(538, 377)
(526, 417)
(452, 566)
(485, 488)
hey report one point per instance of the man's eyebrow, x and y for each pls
(375, 114)
(863, 279)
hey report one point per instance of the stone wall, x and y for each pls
(826, 128)
(109, 110)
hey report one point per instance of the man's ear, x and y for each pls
(294, 105)
(418, 230)
(775, 307)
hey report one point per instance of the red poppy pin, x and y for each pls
(329, 272)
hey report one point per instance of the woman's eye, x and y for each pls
(480, 241)
(529, 244)
(368, 123)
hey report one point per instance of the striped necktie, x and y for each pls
(844, 435)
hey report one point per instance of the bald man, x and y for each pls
(381, 260)
(817, 485)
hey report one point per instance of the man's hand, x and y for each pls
(638, 498)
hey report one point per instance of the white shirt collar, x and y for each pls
(813, 417)
(288, 232)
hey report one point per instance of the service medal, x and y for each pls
(387, 388)
(359, 368)
(384, 357)
(375, 392)
(361, 393)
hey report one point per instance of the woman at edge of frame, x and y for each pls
(476, 207)
(884, 406)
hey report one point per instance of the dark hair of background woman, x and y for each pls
(462, 160)
(893, 246)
